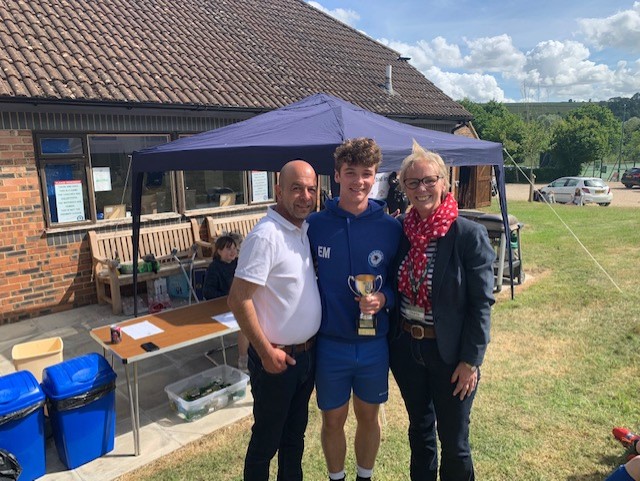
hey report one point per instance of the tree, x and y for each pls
(494, 122)
(603, 116)
(631, 148)
(578, 140)
(624, 108)
(536, 141)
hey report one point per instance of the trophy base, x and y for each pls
(366, 331)
(367, 325)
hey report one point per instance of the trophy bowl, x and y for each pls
(365, 285)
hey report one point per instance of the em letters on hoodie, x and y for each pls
(344, 245)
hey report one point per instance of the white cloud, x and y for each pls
(621, 30)
(474, 86)
(425, 54)
(563, 62)
(350, 17)
(494, 54)
(444, 53)
(483, 68)
(562, 70)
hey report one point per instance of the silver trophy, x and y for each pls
(365, 285)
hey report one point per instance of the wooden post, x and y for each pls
(532, 186)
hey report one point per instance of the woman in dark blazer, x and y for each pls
(440, 327)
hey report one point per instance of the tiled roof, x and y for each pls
(259, 54)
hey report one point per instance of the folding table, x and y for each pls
(181, 327)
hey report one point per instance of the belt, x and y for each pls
(419, 332)
(292, 349)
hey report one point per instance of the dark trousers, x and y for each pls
(424, 380)
(280, 412)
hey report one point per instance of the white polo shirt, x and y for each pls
(276, 256)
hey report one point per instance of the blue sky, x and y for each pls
(509, 50)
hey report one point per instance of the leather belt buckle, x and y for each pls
(293, 349)
(417, 332)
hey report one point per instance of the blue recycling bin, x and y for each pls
(81, 402)
(22, 422)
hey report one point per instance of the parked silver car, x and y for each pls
(593, 189)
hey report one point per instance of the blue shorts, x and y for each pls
(341, 366)
(619, 474)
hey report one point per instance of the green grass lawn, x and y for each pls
(562, 368)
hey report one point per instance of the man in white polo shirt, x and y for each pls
(274, 297)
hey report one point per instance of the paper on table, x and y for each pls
(228, 319)
(141, 329)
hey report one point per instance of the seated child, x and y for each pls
(576, 199)
(217, 282)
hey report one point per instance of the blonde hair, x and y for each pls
(419, 154)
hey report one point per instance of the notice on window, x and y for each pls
(380, 187)
(259, 186)
(101, 179)
(69, 200)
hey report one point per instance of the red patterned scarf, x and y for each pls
(419, 233)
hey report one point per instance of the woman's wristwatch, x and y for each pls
(473, 368)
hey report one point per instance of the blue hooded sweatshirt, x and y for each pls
(346, 245)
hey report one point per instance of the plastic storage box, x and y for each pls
(208, 391)
(22, 422)
(81, 401)
(34, 356)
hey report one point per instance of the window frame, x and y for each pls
(81, 159)
(176, 179)
(171, 177)
(246, 186)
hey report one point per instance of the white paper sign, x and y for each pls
(228, 319)
(380, 187)
(141, 329)
(69, 201)
(101, 179)
(259, 186)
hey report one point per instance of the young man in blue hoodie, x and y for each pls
(353, 235)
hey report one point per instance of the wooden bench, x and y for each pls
(106, 247)
(238, 224)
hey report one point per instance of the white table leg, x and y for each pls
(137, 404)
(133, 410)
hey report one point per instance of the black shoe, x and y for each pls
(359, 478)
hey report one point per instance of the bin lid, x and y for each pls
(19, 390)
(76, 376)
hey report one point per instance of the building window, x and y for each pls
(64, 177)
(110, 168)
(206, 189)
(67, 196)
(87, 179)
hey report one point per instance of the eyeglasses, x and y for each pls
(430, 181)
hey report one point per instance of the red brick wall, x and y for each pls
(40, 273)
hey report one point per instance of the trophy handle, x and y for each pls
(378, 278)
(352, 279)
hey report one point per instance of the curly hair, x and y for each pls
(420, 154)
(359, 151)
